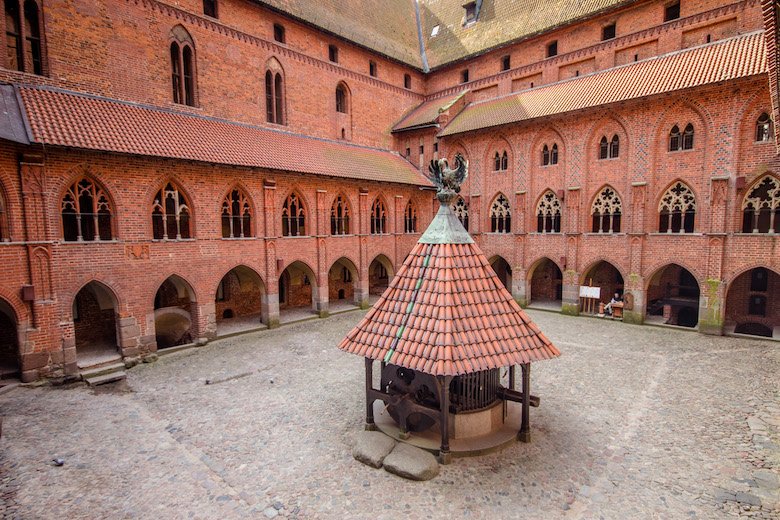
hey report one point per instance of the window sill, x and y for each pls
(239, 238)
(172, 240)
(613, 234)
(554, 233)
(82, 242)
(294, 236)
(757, 234)
(678, 234)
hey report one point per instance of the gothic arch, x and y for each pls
(248, 202)
(248, 268)
(595, 262)
(158, 281)
(607, 126)
(696, 206)
(156, 202)
(548, 134)
(499, 144)
(675, 115)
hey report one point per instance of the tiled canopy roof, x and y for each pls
(64, 118)
(737, 57)
(427, 112)
(447, 313)
(500, 22)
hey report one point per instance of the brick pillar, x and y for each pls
(362, 231)
(634, 287)
(712, 300)
(570, 297)
(475, 225)
(518, 273)
(269, 306)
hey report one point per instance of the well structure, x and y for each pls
(449, 337)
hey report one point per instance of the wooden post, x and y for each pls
(444, 452)
(525, 425)
(512, 377)
(370, 425)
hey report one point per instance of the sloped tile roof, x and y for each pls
(447, 313)
(427, 112)
(500, 22)
(386, 26)
(737, 57)
(64, 118)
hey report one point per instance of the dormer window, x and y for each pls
(333, 53)
(210, 8)
(471, 13)
(279, 33)
(672, 12)
(552, 49)
(608, 32)
(372, 69)
(506, 62)
(464, 76)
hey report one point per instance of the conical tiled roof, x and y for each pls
(446, 312)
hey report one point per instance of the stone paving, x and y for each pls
(635, 422)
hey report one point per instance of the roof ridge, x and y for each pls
(619, 67)
(165, 110)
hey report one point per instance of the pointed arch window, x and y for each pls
(607, 211)
(609, 149)
(293, 217)
(171, 214)
(603, 148)
(86, 212)
(274, 98)
(339, 216)
(461, 210)
(4, 234)
(13, 36)
(32, 29)
(501, 161)
(500, 215)
(545, 155)
(182, 67)
(342, 100)
(681, 140)
(554, 154)
(410, 218)
(236, 215)
(763, 128)
(378, 218)
(548, 213)
(677, 210)
(761, 207)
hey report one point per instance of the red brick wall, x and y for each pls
(95, 326)
(737, 302)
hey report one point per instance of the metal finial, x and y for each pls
(448, 180)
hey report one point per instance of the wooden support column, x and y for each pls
(370, 425)
(512, 377)
(445, 457)
(525, 425)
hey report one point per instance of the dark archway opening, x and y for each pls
(380, 272)
(673, 297)
(174, 304)
(297, 292)
(753, 303)
(94, 324)
(503, 271)
(239, 300)
(9, 342)
(546, 284)
(606, 277)
(343, 286)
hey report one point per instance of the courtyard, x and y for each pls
(634, 422)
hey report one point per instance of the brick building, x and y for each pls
(174, 171)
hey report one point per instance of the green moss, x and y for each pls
(570, 309)
(633, 317)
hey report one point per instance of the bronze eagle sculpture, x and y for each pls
(447, 179)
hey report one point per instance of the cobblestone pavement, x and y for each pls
(635, 422)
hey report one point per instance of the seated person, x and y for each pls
(608, 307)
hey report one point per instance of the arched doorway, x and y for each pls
(605, 276)
(238, 301)
(753, 303)
(546, 284)
(380, 272)
(174, 306)
(503, 271)
(297, 292)
(673, 297)
(343, 285)
(9, 342)
(94, 325)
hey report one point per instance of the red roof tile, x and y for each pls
(469, 330)
(64, 118)
(426, 113)
(737, 57)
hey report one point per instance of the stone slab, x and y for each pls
(412, 463)
(371, 448)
